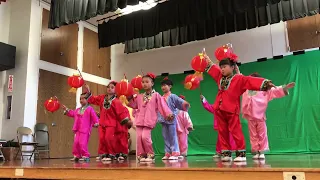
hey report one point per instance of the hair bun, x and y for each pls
(151, 75)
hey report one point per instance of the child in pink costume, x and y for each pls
(254, 106)
(148, 104)
(84, 119)
(209, 108)
(184, 126)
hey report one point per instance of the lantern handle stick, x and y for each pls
(125, 77)
(142, 73)
(79, 73)
(200, 88)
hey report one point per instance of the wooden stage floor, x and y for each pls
(193, 167)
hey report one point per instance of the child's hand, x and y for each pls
(290, 85)
(270, 85)
(86, 86)
(201, 97)
(170, 117)
(190, 128)
(96, 125)
(129, 124)
(64, 107)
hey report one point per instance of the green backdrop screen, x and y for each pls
(293, 121)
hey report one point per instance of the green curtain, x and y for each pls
(293, 121)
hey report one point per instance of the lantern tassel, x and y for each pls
(123, 100)
(136, 90)
(199, 75)
(188, 85)
(73, 90)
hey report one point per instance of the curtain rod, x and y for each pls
(108, 17)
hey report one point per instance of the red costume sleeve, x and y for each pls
(121, 111)
(253, 83)
(133, 103)
(215, 72)
(96, 100)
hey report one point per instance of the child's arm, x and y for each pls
(68, 112)
(179, 103)
(121, 112)
(280, 91)
(187, 121)
(213, 70)
(254, 83)
(96, 100)
(162, 107)
(206, 105)
(133, 103)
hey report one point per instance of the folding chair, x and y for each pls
(42, 138)
(1, 154)
(26, 132)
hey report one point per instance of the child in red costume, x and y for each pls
(111, 112)
(122, 149)
(227, 104)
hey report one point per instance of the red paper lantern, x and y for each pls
(223, 52)
(191, 82)
(123, 90)
(136, 83)
(76, 81)
(199, 63)
(52, 104)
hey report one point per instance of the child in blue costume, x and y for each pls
(169, 128)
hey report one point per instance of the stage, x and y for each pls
(193, 167)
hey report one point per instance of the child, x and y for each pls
(121, 135)
(184, 126)
(209, 107)
(148, 104)
(169, 128)
(254, 106)
(84, 118)
(111, 111)
(227, 104)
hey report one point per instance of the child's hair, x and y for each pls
(112, 82)
(151, 76)
(255, 74)
(227, 61)
(83, 94)
(166, 81)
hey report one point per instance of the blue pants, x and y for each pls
(169, 133)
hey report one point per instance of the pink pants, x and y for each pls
(80, 145)
(144, 141)
(258, 135)
(183, 142)
(231, 141)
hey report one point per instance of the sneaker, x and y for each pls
(241, 156)
(174, 156)
(226, 156)
(166, 156)
(261, 156)
(150, 158)
(108, 158)
(73, 159)
(76, 159)
(255, 156)
(122, 157)
(141, 158)
(86, 159)
(98, 158)
(181, 157)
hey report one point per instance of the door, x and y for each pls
(303, 33)
(95, 61)
(60, 126)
